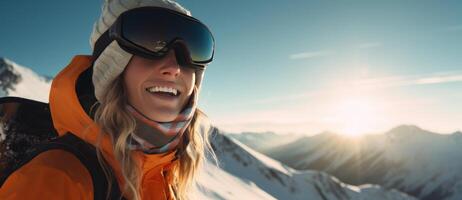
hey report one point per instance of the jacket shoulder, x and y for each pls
(53, 174)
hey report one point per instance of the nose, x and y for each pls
(170, 65)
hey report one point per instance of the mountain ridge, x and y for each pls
(419, 162)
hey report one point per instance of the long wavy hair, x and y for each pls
(113, 119)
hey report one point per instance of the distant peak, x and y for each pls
(9, 78)
(406, 130)
(406, 127)
(5, 60)
(6, 63)
(327, 133)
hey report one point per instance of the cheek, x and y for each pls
(131, 82)
(134, 74)
(190, 80)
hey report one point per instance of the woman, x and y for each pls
(135, 101)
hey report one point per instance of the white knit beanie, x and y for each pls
(113, 60)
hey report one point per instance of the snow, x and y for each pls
(264, 159)
(31, 86)
(215, 183)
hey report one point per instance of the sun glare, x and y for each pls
(356, 115)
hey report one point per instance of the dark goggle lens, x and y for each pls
(154, 31)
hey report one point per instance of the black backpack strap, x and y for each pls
(86, 153)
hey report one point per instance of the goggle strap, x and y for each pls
(100, 44)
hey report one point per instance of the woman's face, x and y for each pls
(143, 78)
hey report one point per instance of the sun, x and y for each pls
(356, 115)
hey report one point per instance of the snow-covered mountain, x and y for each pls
(19, 81)
(243, 173)
(270, 179)
(419, 162)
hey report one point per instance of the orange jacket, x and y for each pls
(57, 174)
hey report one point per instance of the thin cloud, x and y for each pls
(310, 54)
(370, 45)
(440, 79)
(397, 81)
(373, 83)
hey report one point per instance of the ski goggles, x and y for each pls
(151, 32)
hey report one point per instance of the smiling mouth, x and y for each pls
(164, 91)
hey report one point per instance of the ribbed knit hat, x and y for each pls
(113, 60)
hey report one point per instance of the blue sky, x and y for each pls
(290, 66)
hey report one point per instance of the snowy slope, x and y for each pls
(418, 162)
(215, 183)
(16, 80)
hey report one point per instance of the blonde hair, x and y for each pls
(113, 119)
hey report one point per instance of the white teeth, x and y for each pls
(163, 89)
